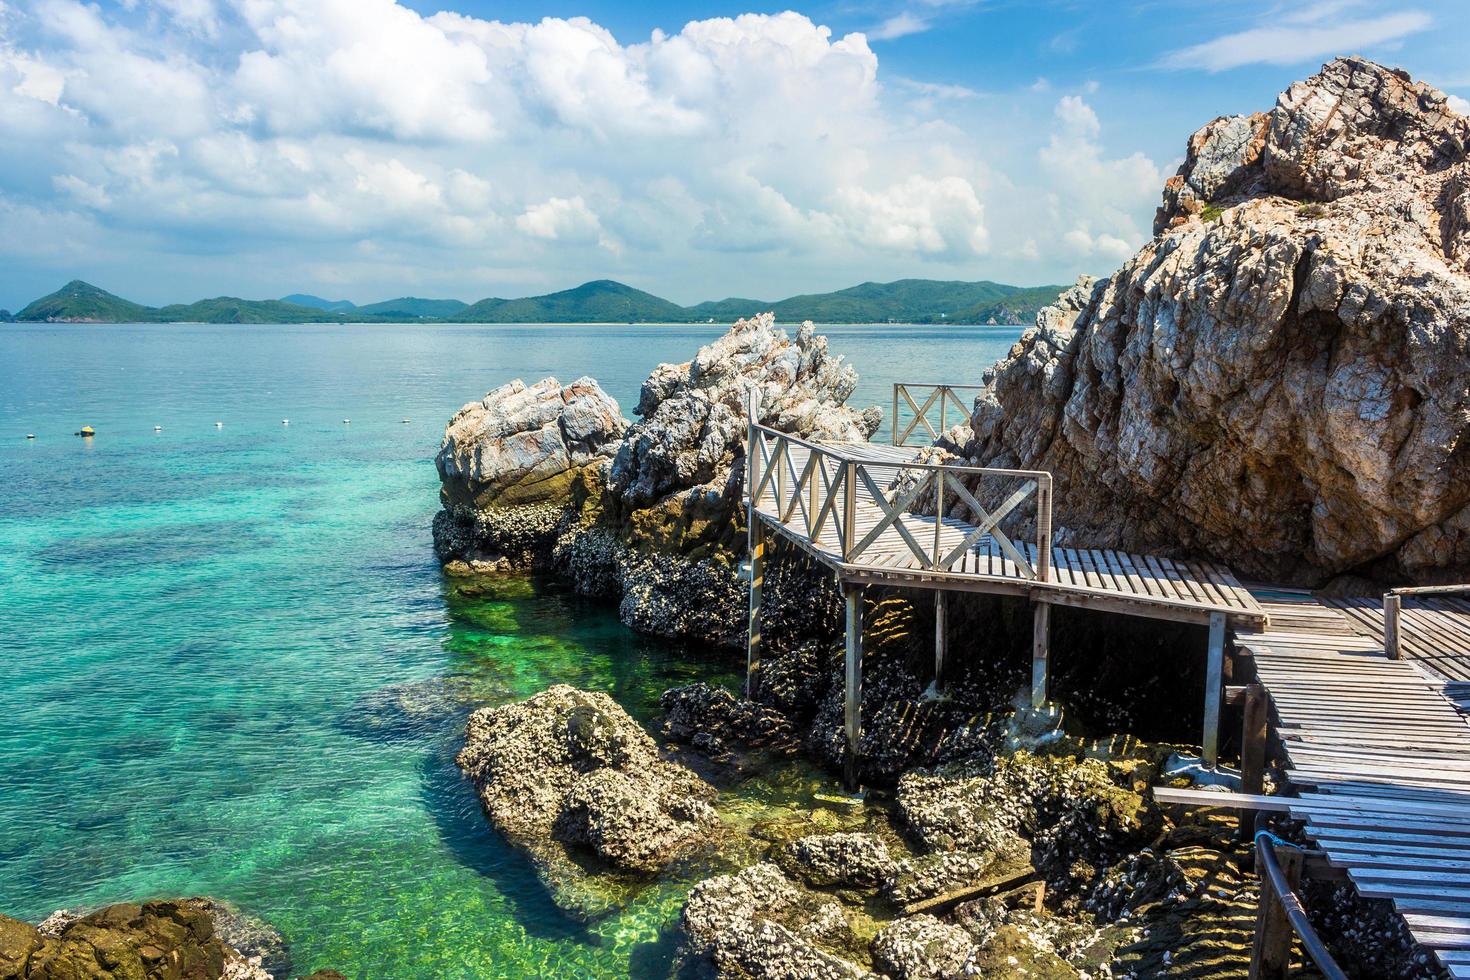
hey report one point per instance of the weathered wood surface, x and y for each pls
(1378, 753)
(794, 501)
(1433, 629)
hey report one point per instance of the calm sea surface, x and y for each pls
(227, 654)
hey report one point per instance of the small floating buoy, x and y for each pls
(406, 421)
(346, 421)
(158, 428)
(285, 421)
(86, 432)
(219, 425)
(30, 435)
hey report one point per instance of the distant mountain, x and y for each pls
(413, 308)
(600, 301)
(81, 301)
(905, 301)
(317, 303)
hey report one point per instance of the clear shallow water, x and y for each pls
(197, 628)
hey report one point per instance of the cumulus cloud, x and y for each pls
(360, 134)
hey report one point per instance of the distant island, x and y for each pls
(600, 301)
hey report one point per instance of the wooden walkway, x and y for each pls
(961, 554)
(1379, 757)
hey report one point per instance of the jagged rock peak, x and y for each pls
(1280, 380)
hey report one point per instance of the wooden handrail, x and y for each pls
(941, 394)
(821, 497)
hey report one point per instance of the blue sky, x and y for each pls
(175, 149)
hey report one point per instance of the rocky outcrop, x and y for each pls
(572, 781)
(648, 516)
(509, 463)
(1281, 378)
(167, 939)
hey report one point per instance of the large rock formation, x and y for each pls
(658, 528)
(1281, 378)
(566, 776)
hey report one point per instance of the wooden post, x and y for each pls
(893, 428)
(1271, 956)
(757, 556)
(1391, 643)
(852, 716)
(1040, 651)
(849, 509)
(1254, 730)
(1214, 690)
(941, 637)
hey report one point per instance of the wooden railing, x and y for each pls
(1393, 605)
(935, 396)
(820, 490)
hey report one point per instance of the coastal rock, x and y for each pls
(716, 722)
(509, 464)
(567, 775)
(1281, 378)
(855, 860)
(174, 938)
(923, 948)
(757, 924)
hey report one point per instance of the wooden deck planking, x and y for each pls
(1095, 577)
(1379, 754)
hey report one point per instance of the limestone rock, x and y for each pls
(858, 860)
(1281, 378)
(519, 443)
(567, 775)
(173, 938)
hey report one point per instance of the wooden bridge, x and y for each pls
(1367, 699)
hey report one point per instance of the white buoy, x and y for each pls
(219, 425)
(285, 421)
(406, 421)
(158, 428)
(346, 421)
(30, 435)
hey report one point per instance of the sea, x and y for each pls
(231, 666)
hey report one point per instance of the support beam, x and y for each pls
(1392, 644)
(757, 553)
(1214, 690)
(941, 638)
(1254, 729)
(853, 694)
(1040, 651)
(1271, 957)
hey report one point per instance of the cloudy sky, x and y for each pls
(363, 149)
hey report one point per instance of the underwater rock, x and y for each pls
(412, 709)
(567, 775)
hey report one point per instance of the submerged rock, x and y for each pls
(1281, 378)
(568, 776)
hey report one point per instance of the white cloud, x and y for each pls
(900, 25)
(1312, 33)
(1462, 106)
(358, 138)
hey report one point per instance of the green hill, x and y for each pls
(317, 303)
(81, 302)
(228, 309)
(905, 301)
(413, 308)
(600, 301)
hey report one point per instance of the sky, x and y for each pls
(170, 150)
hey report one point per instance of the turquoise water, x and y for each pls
(229, 664)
